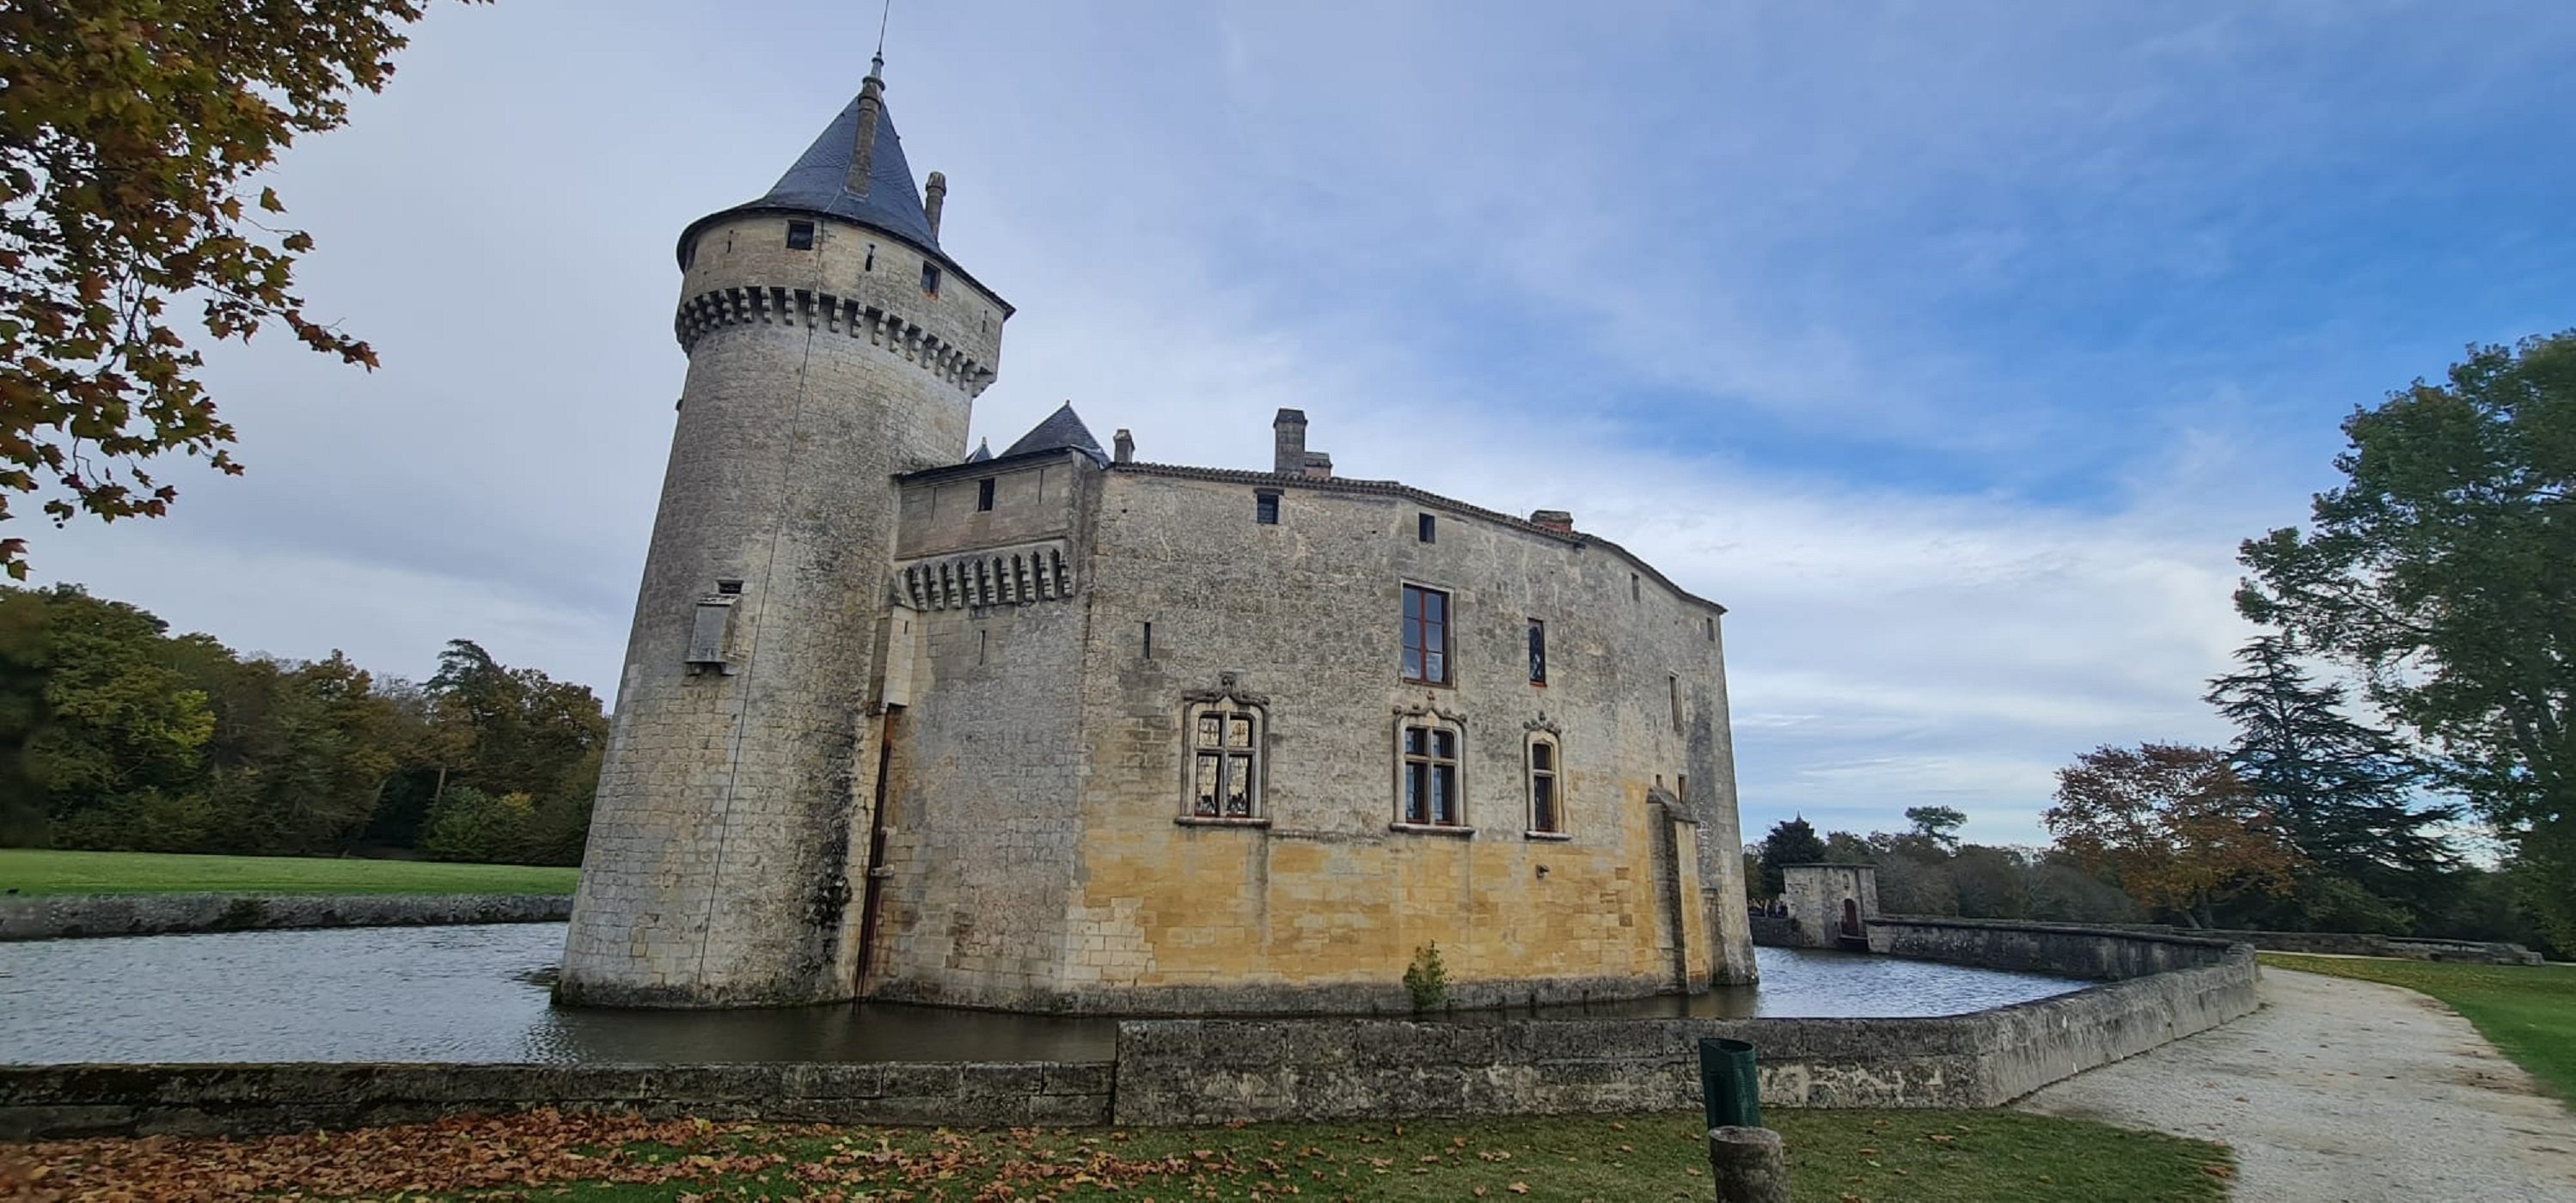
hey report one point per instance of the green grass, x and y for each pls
(2527, 1011)
(44, 871)
(1934, 1156)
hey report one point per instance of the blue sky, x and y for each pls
(1952, 346)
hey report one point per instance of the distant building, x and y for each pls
(1063, 730)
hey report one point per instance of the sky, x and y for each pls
(1953, 347)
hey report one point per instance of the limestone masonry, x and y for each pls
(1060, 730)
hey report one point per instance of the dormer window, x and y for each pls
(930, 278)
(800, 235)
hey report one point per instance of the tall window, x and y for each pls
(1265, 507)
(930, 278)
(1673, 687)
(1225, 760)
(1426, 635)
(1546, 806)
(1538, 652)
(1428, 768)
(984, 494)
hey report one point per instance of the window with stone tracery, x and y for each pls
(1225, 760)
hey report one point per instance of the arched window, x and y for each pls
(1545, 769)
(1224, 737)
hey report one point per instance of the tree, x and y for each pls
(1939, 824)
(2342, 792)
(1791, 842)
(2172, 824)
(2444, 569)
(128, 143)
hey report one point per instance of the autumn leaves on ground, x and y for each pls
(1835, 1155)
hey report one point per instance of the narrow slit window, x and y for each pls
(871, 263)
(1712, 628)
(1636, 591)
(1538, 652)
(1673, 686)
(984, 494)
(1265, 508)
(800, 235)
(1149, 641)
(1426, 528)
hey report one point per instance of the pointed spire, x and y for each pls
(871, 115)
(983, 451)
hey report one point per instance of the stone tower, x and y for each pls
(831, 344)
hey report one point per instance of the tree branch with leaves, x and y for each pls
(131, 134)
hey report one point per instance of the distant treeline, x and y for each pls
(117, 735)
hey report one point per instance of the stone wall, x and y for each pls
(44, 1102)
(69, 915)
(2362, 944)
(1319, 901)
(1214, 1070)
(1197, 1071)
(1821, 898)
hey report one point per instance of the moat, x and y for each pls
(478, 994)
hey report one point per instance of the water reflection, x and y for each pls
(477, 994)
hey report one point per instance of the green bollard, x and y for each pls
(1728, 1087)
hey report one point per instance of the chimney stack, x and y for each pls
(1288, 437)
(1560, 521)
(871, 110)
(1319, 466)
(1124, 445)
(934, 197)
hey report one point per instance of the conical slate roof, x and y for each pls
(983, 451)
(819, 183)
(1062, 430)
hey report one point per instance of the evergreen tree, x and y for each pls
(1791, 842)
(2344, 793)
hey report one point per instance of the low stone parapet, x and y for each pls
(66, 916)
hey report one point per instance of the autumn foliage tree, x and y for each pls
(130, 135)
(2173, 825)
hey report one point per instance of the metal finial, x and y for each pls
(884, 15)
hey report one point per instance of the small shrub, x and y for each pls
(1426, 979)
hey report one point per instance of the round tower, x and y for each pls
(832, 344)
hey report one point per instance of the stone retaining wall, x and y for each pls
(2363, 944)
(61, 916)
(1204, 1071)
(1208, 1070)
(44, 1102)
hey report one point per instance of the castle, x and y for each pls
(1062, 730)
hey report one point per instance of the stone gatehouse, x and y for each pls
(1062, 729)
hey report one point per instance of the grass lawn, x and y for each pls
(2528, 1011)
(1835, 1155)
(44, 871)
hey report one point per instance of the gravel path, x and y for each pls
(2340, 1091)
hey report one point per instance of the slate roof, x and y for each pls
(983, 451)
(1062, 431)
(819, 183)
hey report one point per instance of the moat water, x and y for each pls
(480, 994)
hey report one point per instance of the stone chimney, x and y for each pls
(1560, 521)
(871, 111)
(934, 197)
(1123, 447)
(1288, 440)
(1319, 466)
